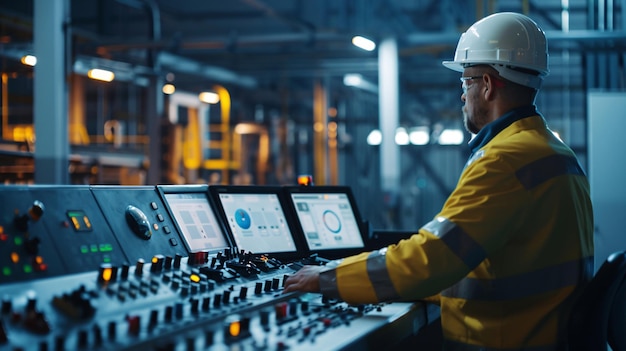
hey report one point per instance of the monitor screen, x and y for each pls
(197, 221)
(256, 220)
(327, 219)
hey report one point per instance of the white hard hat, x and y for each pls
(510, 42)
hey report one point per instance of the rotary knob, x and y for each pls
(33, 214)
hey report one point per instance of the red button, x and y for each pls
(133, 325)
(281, 309)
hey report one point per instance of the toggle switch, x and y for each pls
(112, 330)
(168, 262)
(154, 318)
(157, 263)
(177, 260)
(125, 269)
(243, 292)
(268, 286)
(97, 335)
(139, 267)
(206, 303)
(83, 339)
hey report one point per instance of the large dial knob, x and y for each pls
(138, 222)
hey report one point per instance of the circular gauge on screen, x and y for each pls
(242, 218)
(331, 221)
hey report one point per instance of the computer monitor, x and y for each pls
(195, 217)
(255, 218)
(328, 219)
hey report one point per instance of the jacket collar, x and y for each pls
(492, 129)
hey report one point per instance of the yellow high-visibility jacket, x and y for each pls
(511, 244)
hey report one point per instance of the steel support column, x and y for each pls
(50, 102)
(389, 114)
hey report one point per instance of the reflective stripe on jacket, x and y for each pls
(511, 244)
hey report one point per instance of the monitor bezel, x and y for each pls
(194, 189)
(326, 189)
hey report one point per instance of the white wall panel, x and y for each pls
(607, 171)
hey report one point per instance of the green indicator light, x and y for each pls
(84, 249)
(94, 248)
(17, 241)
(28, 268)
(106, 248)
(6, 271)
(106, 259)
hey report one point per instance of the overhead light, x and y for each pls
(451, 137)
(29, 60)
(352, 79)
(402, 136)
(209, 97)
(375, 137)
(357, 80)
(363, 43)
(168, 89)
(100, 74)
(419, 136)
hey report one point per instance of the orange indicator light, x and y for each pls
(86, 221)
(107, 273)
(305, 180)
(76, 223)
(15, 258)
(194, 278)
(234, 328)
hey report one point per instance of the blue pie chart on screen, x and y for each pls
(331, 221)
(242, 218)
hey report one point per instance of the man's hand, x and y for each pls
(307, 279)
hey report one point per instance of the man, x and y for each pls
(514, 241)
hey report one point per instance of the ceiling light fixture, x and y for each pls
(419, 136)
(356, 80)
(209, 97)
(402, 136)
(101, 74)
(451, 137)
(375, 137)
(168, 89)
(363, 43)
(29, 60)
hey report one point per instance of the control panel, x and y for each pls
(109, 268)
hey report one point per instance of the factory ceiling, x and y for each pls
(263, 47)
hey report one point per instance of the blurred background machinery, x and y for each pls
(260, 91)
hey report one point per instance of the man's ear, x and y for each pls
(491, 85)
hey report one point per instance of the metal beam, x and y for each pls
(50, 107)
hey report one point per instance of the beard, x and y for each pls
(468, 124)
(474, 121)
